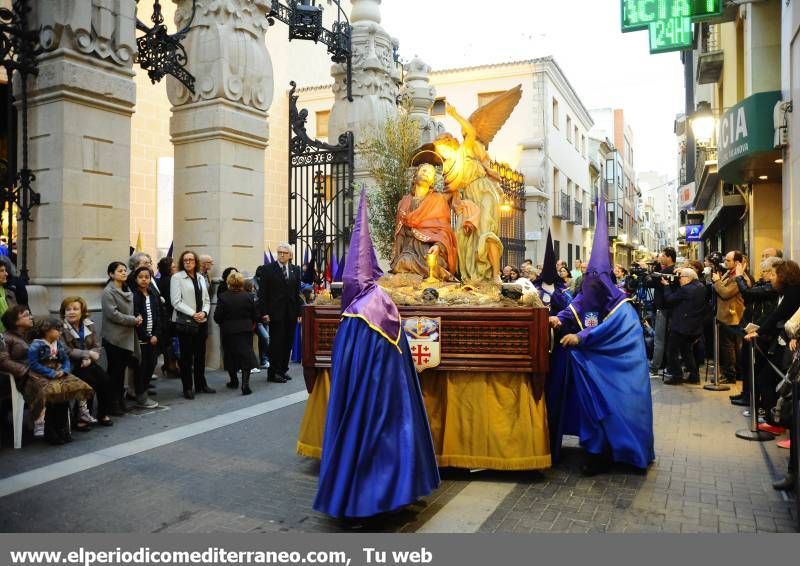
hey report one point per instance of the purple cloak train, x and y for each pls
(377, 451)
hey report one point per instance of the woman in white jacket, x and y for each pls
(190, 299)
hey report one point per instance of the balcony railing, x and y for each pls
(578, 218)
(710, 39)
(711, 57)
(564, 211)
(704, 154)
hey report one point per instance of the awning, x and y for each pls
(746, 140)
(731, 210)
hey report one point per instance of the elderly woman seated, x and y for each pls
(84, 351)
(52, 391)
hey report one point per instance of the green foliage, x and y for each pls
(389, 152)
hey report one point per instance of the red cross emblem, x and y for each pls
(421, 354)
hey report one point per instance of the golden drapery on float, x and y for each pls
(494, 420)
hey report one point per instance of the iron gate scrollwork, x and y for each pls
(320, 192)
(512, 214)
(19, 48)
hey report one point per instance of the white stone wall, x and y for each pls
(791, 163)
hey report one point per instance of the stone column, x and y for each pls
(376, 81)
(80, 136)
(531, 165)
(220, 133)
(420, 94)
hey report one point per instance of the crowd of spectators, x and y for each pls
(693, 302)
(73, 377)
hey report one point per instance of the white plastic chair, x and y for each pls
(17, 407)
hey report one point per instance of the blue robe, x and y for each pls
(377, 451)
(609, 384)
(562, 408)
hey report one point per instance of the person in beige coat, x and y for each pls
(730, 308)
(192, 304)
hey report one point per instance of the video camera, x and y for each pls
(668, 276)
(717, 261)
(636, 277)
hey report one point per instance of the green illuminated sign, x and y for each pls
(669, 22)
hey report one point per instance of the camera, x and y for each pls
(668, 276)
(636, 277)
(717, 261)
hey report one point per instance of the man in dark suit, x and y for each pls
(279, 302)
(688, 306)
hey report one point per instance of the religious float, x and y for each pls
(481, 351)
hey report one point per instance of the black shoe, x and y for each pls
(66, 435)
(741, 401)
(206, 389)
(672, 381)
(188, 394)
(693, 379)
(784, 484)
(286, 376)
(233, 383)
(276, 379)
(246, 385)
(595, 465)
(52, 436)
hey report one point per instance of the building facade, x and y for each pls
(738, 180)
(624, 193)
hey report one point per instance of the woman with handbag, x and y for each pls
(236, 314)
(85, 352)
(119, 324)
(190, 299)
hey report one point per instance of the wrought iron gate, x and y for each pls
(18, 51)
(512, 214)
(321, 193)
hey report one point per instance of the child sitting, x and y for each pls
(47, 357)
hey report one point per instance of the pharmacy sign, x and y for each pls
(669, 22)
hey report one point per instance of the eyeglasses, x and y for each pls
(188, 260)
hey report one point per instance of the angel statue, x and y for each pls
(466, 171)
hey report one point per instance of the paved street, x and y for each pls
(226, 463)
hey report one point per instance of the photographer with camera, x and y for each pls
(760, 299)
(687, 304)
(666, 260)
(730, 308)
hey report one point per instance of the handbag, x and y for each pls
(185, 324)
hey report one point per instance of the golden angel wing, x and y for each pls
(489, 118)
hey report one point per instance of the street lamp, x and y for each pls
(703, 124)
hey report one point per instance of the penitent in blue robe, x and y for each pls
(377, 452)
(609, 383)
(562, 409)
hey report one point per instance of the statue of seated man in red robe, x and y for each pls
(424, 227)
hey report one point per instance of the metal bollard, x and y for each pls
(716, 385)
(753, 433)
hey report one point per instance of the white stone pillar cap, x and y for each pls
(366, 11)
